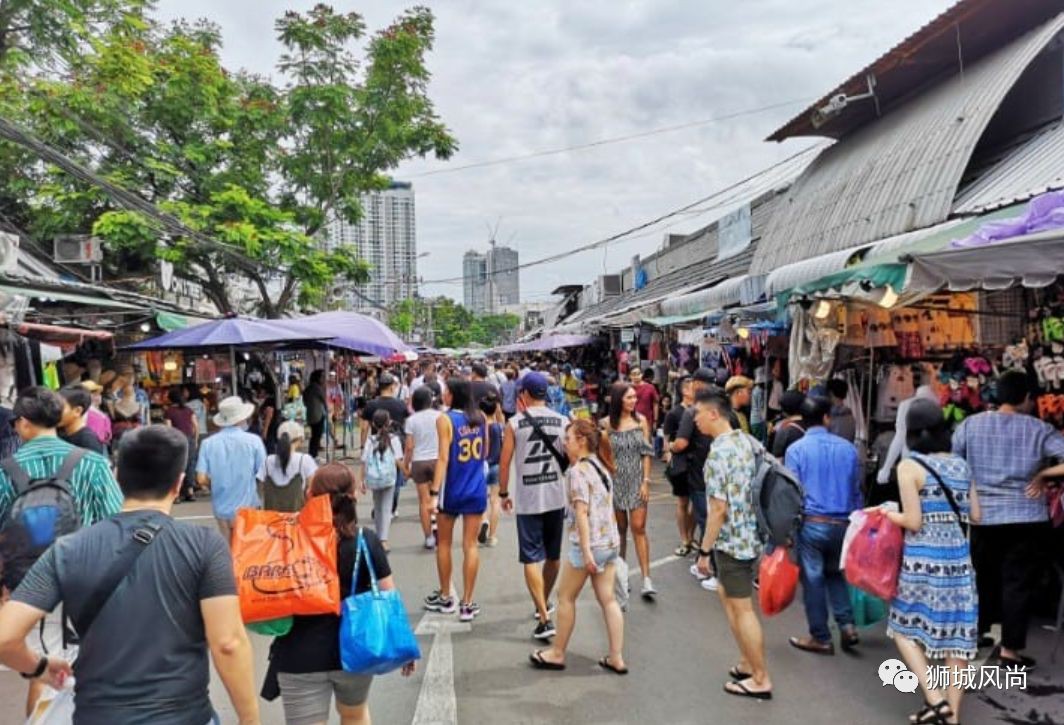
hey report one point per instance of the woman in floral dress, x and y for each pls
(935, 613)
(629, 435)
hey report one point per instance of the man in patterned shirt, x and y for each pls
(97, 496)
(731, 532)
(1012, 456)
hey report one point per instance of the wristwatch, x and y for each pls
(42, 665)
(504, 494)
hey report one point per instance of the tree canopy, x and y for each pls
(452, 324)
(253, 168)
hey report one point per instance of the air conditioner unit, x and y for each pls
(77, 249)
(8, 253)
(610, 285)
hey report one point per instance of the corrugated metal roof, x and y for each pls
(719, 296)
(704, 273)
(1034, 168)
(977, 26)
(900, 173)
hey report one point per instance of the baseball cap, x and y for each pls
(704, 375)
(535, 384)
(737, 382)
(92, 386)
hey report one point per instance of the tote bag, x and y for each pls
(285, 564)
(375, 634)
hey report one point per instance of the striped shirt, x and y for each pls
(96, 493)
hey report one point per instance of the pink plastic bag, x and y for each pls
(874, 558)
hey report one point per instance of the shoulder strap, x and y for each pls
(602, 474)
(362, 546)
(948, 492)
(120, 568)
(563, 462)
(20, 481)
(73, 458)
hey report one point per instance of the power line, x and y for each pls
(645, 225)
(605, 141)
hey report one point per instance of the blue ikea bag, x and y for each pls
(375, 633)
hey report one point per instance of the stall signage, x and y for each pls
(734, 232)
(628, 335)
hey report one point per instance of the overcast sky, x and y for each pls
(516, 77)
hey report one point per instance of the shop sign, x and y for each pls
(628, 335)
(734, 232)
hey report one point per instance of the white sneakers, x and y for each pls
(648, 591)
(709, 583)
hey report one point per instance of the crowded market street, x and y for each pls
(676, 669)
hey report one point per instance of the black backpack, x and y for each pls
(778, 498)
(43, 510)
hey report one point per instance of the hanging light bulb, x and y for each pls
(889, 298)
(743, 332)
(823, 309)
(145, 327)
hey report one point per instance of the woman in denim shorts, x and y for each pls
(593, 546)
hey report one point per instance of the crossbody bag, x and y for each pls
(950, 497)
(537, 432)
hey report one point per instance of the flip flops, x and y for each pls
(536, 658)
(736, 674)
(605, 664)
(740, 690)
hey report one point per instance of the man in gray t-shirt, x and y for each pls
(143, 658)
(539, 492)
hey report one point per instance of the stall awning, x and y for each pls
(1034, 260)
(794, 275)
(63, 296)
(705, 301)
(61, 336)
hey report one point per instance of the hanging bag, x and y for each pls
(375, 633)
(873, 560)
(285, 564)
(777, 581)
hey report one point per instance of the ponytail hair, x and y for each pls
(597, 441)
(382, 428)
(284, 450)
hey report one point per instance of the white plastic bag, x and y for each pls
(620, 582)
(55, 708)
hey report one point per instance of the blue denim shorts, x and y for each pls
(602, 556)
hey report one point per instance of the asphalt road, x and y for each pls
(678, 649)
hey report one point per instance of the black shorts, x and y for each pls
(680, 487)
(539, 536)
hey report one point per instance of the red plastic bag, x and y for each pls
(285, 563)
(874, 558)
(778, 581)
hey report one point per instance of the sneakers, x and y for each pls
(552, 607)
(444, 605)
(482, 536)
(468, 611)
(648, 591)
(711, 584)
(697, 574)
(493, 541)
(430, 542)
(544, 630)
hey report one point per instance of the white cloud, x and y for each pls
(515, 77)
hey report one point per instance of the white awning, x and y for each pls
(790, 276)
(1034, 260)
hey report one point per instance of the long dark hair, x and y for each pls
(597, 442)
(382, 428)
(177, 396)
(283, 451)
(617, 393)
(338, 481)
(462, 399)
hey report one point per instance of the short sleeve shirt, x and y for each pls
(729, 473)
(585, 484)
(232, 459)
(697, 450)
(422, 427)
(152, 625)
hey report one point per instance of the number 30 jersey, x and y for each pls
(465, 489)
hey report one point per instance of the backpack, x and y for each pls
(43, 509)
(380, 467)
(778, 498)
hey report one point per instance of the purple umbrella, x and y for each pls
(228, 332)
(350, 331)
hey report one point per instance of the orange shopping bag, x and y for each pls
(285, 563)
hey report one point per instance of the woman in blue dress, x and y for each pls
(463, 492)
(935, 613)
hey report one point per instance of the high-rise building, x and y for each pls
(504, 282)
(475, 282)
(386, 238)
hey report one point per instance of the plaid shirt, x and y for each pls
(96, 493)
(1005, 451)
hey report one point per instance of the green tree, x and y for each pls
(254, 168)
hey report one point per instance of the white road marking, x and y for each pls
(436, 703)
(654, 564)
